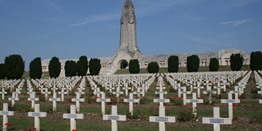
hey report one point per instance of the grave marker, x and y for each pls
(216, 121)
(73, 116)
(36, 114)
(32, 98)
(131, 100)
(103, 100)
(78, 100)
(54, 100)
(194, 102)
(3, 92)
(162, 118)
(5, 113)
(230, 102)
(114, 117)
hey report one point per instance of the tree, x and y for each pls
(15, 66)
(214, 64)
(153, 67)
(54, 67)
(70, 68)
(82, 66)
(236, 62)
(192, 63)
(3, 71)
(173, 63)
(35, 68)
(134, 67)
(94, 66)
(256, 60)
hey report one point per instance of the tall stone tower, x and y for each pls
(128, 48)
(128, 37)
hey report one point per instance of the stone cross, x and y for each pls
(230, 102)
(162, 118)
(126, 88)
(78, 100)
(209, 92)
(54, 100)
(97, 92)
(3, 92)
(194, 102)
(5, 113)
(36, 114)
(46, 93)
(131, 100)
(137, 92)
(13, 98)
(63, 92)
(103, 100)
(198, 87)
(260, 101)
(33, 99)
(236, 92)
(184, 92)
(114, 118)
(73, 116)
(216, 121)
(118, 92)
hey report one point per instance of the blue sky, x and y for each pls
(72, 28)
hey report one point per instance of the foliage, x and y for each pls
(35, 68)
(173, 63)
(3, 71)
(153, 67)
(236, 62)
(192, 63)
(82, 66)
(256, 60)
(70, 68)
(185, 115)
(134, 67)
(54, 67)
(214, 64)
(14, 67)
(94, 66)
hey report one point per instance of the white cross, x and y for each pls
(13, 98)
(260, 101)
(72, 116)
(209, 92)
(230, 102)
(194, 102)
(131, 100)
(103, 100)
(97, 92)
(218, 87)
(236, 92)
(63, 92)
(138, 92)
(33, 99)
(216, 120)
(198, 87)
(118, 92)
(54, 100)
(126, 88)
(36, 114)
(162, 118)
(78, 100)
(114, 118)
(184, 92)
(3, 92)
(46, 93)
(5, 113)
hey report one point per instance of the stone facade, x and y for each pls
(128, 49)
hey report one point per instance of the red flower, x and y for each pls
(74, 130)
(8, 124)
(177, 98)
(234, 104)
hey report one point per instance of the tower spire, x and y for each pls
(128, 37)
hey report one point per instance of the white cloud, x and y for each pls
(237, 22)
(97, 18)
(55, 6)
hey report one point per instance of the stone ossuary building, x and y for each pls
(128, 50)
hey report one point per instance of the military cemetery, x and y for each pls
(100, 99)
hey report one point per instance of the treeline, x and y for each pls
(14, 65)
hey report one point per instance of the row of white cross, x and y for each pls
(161, 118)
